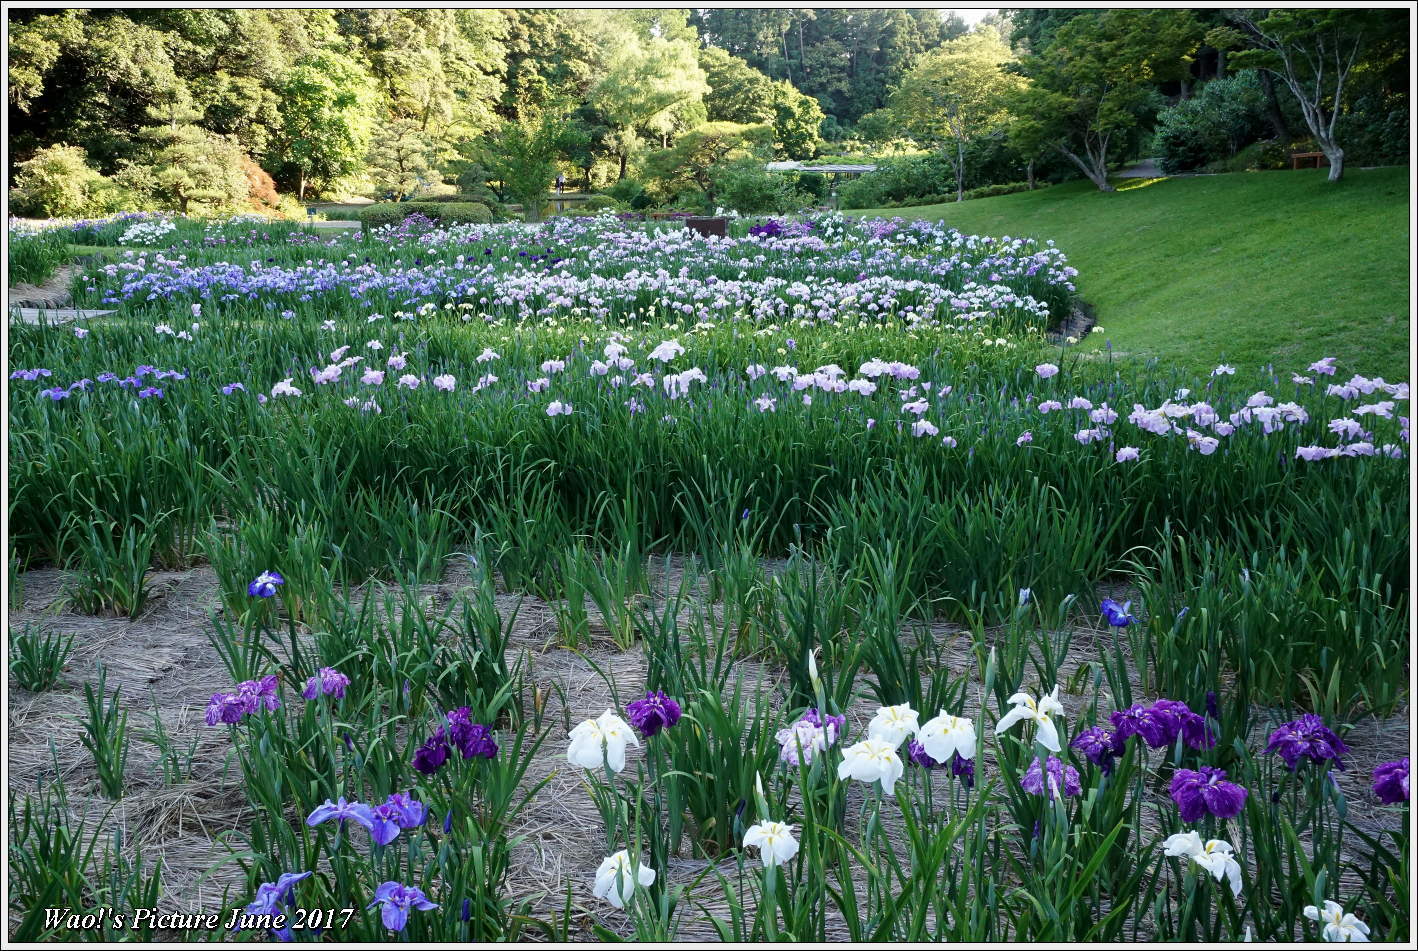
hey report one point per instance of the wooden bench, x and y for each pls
(1319, 158)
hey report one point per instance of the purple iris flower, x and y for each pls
(918, 755)
(396, 900)
(342, 810)
(148, 391)
(265, 584)
(1391, 782)
(397, 812)
(1062, 777)
(1197, 792)
(431, 756)
(1117, 614)
(964, 770)
(655, 712)
(1191, 726)
(1307, 737)
(1100, 747)
(225, 708)
(327, 681)
(231, 388)
(822, 723)
(471, 739)
(270, 896)
(961, 768)
(250, 696)
(1160, 724)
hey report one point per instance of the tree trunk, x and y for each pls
(1030, 172)
(1096, 169)
(1335, 154)
(1272, 107)
(1220, 64)
(624, 157)
(1186, 88)
(301, 190)
(959, 170)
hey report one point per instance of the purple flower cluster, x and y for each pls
(1100, 747)
(1307, 738)
(328, 682)
(1062, 779)
(383, 821)
(1391, 782)
(250, 696)
(653, 713)
(1160, 724)
(1198, 792)
(473, 740)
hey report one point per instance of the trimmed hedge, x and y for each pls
(444, 212)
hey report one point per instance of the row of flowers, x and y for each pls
(601, 744)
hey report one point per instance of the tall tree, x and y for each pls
(645, 82)
(693, 157)
(957, 93)
(521, 157)
(1095, 82)
(325, 120)
(1315, 52)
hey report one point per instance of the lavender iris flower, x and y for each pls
(655, 712)
(1391, 782)
(270, 896)
(1198, 792)
(1062, 778)
(395, 900)
(1307, 737)
(397, 812)
(250, 696)
(327, 681)
(342, 811)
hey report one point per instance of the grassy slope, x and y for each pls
(1246, 268)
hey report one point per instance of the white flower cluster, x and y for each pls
(148, 232)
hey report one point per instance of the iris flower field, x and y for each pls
(600, 580)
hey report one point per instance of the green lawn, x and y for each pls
(1246, 268)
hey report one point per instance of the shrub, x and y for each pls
(631, 192)
(750, 189)
(462, 212)
(597, 203)
(57, 182)
(1007, 188)
(899, 179)
(1227, 114)
(1374, 130)
(445, 212)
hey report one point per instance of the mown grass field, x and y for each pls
(1247, 268)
